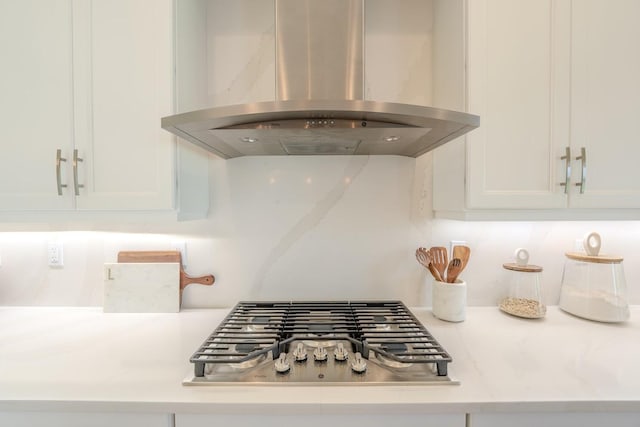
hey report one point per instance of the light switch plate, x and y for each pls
(453, 243)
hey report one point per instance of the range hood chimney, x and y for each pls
(319, 106)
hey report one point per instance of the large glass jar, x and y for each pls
(594, 287)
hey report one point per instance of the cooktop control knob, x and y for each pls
(339, 353)
(300, 354)
(358, 365)
(282, 365)
(320, 354)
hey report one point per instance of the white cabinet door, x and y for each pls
(566, 419)
(374, 420)
(83, 419)
(518, 73)
(605, 107)
(547, 76)
(36, 103)
(124, 85)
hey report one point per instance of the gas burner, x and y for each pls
(318, 334)
(394, 348)
(246, 347)
(320, 328)
(315, 343)
(213, 369)
(375, 342)
(260, 319)
(382, 327)
(378, 322)
(260, 324)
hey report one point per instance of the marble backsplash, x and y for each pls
(303, 228)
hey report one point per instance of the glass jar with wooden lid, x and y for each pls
(523, 296)
(593, 285)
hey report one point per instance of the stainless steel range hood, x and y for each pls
(319, 106)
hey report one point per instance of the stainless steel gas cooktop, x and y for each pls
(311, 343)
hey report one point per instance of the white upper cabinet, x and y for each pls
(36, 104)
(605, 103)
(124, 85)
(517, 84)
(547, 78)
(91, 78)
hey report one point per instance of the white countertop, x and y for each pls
(84, 360)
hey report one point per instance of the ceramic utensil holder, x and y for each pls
(449, 300)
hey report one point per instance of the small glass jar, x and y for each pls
(523, 296)
(594, 287)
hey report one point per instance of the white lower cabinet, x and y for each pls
(84, 419)
(563, 419)
(321, 420)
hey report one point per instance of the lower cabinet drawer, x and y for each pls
(321, 420)
(84, 419)
(561, 419)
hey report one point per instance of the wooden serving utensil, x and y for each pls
(422, 255)
(424, 258)
(462, 253)
(453, 270)
(439, 259)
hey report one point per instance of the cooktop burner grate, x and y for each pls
(383, 329)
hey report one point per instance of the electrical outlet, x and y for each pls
(181, 246)
(453, 243)
(55, 254)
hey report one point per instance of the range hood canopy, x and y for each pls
(319, 107)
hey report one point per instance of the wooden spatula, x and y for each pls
(439, 259)
(453, 270)
(462, 253)
(423, 257)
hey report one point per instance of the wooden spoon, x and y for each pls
(453, 270)
(423, 257)
(439, 259)
(462, 253)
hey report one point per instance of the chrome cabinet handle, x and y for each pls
(567, 169)
(583, 173)
(59, 159)
(76, 185)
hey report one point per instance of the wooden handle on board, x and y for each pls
(185, 280)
